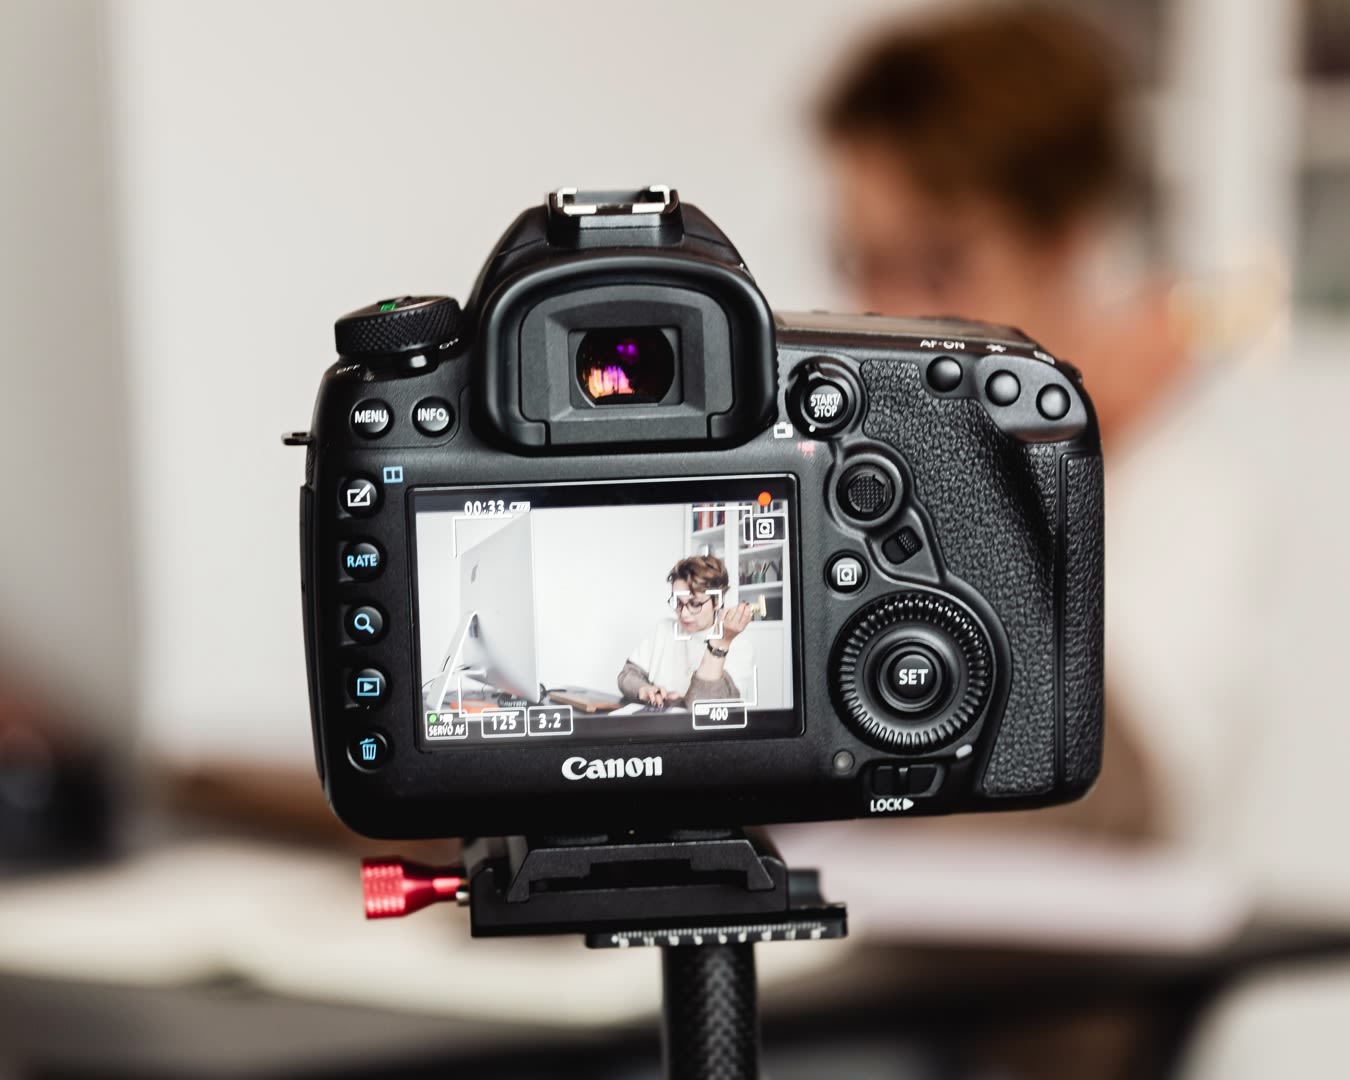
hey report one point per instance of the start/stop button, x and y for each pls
(823, 399)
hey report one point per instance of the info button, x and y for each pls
(433, 416)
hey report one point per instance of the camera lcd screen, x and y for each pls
(599, 612)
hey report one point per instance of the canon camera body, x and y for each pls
(616, 547)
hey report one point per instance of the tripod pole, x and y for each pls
(710, 1028)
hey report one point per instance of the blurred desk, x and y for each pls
(226, 957)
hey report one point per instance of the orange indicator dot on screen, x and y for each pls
(765, 498)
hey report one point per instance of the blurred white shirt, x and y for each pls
(1228, 597)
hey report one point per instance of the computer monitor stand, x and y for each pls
(450, 670)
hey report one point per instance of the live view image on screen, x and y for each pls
(595, 612)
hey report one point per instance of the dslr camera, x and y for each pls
(616, 546)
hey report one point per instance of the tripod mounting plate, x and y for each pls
(679, 889)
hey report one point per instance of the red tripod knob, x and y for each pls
(396, 887)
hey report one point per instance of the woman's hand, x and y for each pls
(735, 620)
(652, 695)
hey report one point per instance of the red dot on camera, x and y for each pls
(765, 498)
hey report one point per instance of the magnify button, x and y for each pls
(364, 624)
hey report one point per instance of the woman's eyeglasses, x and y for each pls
(688, 603)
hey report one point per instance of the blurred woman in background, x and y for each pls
(983, 170)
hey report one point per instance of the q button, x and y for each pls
(364, 624)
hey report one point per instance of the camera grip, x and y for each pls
(1003, 529)
(1084, 622)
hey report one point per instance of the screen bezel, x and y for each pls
(619, 492)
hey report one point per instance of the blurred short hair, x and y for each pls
(704, 573)
(1020, 104)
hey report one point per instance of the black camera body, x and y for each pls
(530, 527)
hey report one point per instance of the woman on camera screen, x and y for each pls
(700, 654)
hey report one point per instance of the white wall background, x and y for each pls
(67, 602)
(281, 163)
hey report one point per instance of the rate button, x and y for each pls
(362, 560)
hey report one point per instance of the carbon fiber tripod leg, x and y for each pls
(711, 1016)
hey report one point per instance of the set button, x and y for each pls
(912, 678)
(362, 560)
(915, 677)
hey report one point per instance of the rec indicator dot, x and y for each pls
(765, 498)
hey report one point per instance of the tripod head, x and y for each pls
(705, 898)
(723, 885)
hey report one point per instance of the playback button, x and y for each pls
(368, 686)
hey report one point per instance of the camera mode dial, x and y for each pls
(912, 671)
(399, 325)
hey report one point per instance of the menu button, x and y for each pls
(371, 419)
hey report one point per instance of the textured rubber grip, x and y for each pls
(711, 1029)
(1083, 627)
(994, 502)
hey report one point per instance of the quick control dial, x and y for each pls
(912, 671)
